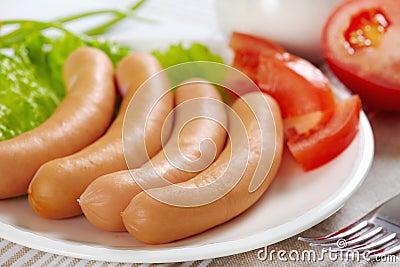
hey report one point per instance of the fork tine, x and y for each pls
(389, 249)
(360, 237)
(378, 241)
(342, 233)
(373, 231)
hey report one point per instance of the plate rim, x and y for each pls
(213, 250)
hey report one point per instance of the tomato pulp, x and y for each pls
(361, 43)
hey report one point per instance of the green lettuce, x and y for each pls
(31, 84)
(176, 54)
(26, 97)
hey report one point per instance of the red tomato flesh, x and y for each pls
(366, 29)
(361, 43)
(297, 85)
(326, 143)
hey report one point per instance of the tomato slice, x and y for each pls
(297, 85)
(360, 42)
(247, 49)
(324, 144)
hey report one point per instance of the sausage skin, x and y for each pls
(161, 220)
(57, 185)
(201, 118)
(81, 118)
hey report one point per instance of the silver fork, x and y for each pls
(377, 233)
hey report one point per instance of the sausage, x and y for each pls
(200, 120)
(216, 195)
(57, 185)
(81, 118)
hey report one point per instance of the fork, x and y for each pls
(377, 233)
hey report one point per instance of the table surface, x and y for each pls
(196, 20)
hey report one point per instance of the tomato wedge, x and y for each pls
(297, 85)
(326, 143)
(360, 42)
(247, 50)
(317, 128)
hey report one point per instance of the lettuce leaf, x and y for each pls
(177, 54)
(25, 99)
(31, 84)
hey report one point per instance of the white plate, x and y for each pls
(295, 201)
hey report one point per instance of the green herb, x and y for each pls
(27, 27)
(118, 16)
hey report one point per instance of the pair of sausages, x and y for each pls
(232, 184)
(57, 185)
